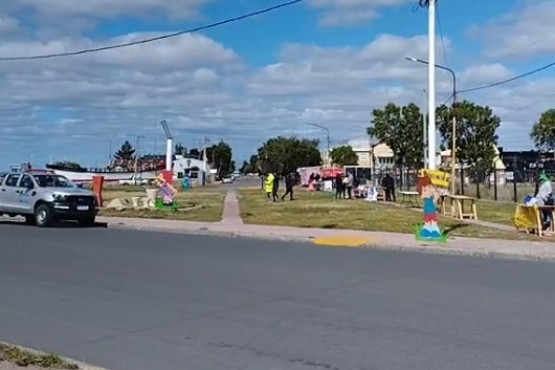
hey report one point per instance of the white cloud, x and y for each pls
(352, 12)
(478, 75)
(525, 32)
(77, 105)
(106, 9)
(306, 70)
(8, 25)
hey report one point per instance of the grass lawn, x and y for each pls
(23, 358)
(210, 201)
(498, 212)
(323, 211)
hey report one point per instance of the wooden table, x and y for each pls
(457, 207)
(410, 198)
(530, 219)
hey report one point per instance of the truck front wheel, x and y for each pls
(43, 215)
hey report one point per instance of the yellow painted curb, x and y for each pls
(343, 241)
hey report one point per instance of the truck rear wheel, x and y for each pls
(43, 216)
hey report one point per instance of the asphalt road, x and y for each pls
(243, 182)
(144, 301)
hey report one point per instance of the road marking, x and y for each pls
(344, 241)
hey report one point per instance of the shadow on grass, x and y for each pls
(450, 229)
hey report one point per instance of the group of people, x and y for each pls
(271, 186)
(344, 186)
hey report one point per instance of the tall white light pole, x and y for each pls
(169, 145)
(424, 126)
(432, 84)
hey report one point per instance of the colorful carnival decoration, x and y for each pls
(166, 194)
(429, 185)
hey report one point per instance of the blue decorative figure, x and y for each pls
(186, 183)
(430, 229)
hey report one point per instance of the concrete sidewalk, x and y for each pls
(526, 250)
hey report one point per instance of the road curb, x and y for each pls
(372, 244)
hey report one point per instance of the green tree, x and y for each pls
(543, 131)
(220, 157)
(476, 135)
(244, 167)
(401, 129)
(251, 166)
(126, 152)
(180, 149)
(290, 153)
(344, 156)
(195, 153)
(67, 165)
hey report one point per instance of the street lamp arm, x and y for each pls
(452, 72)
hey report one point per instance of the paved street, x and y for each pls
(142, 301)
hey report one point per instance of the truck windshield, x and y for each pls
(53, 181)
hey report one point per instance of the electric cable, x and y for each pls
(153, 39)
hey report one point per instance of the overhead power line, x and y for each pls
(503, 82)
(153, 39)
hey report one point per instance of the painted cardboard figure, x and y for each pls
(166, 190)
(430, 229)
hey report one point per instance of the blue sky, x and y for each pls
(325, 61)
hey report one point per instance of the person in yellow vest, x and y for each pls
(269, 185)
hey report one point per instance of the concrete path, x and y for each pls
(231, 214)
(460, 246)
(131, 300)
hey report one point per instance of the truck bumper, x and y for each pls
(64, 212)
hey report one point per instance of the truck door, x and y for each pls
(27, 194)
(9, 193)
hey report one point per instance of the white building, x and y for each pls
(371, 154)
(196, 169)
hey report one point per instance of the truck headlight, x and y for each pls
(59, 198)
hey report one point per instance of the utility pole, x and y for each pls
(136, 154)
(424, 128)
(515, 190)
(432, 84)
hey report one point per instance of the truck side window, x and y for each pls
(12, 180)
(26, 182)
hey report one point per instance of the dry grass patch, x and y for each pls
(206, 206)
(321, 210)
(25, 358)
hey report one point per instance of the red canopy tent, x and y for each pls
(331, 172)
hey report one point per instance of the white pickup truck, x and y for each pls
(134, 180)
(42, 197)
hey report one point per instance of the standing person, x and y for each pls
(275, 187)
(338, 186)
(290, 181)
(388, 184)
(269, 184)
(349, 185)
(545, 198)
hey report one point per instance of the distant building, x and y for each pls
(370, 154)
(196, 169)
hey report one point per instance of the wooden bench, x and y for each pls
(410, 198)
(457, 207)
